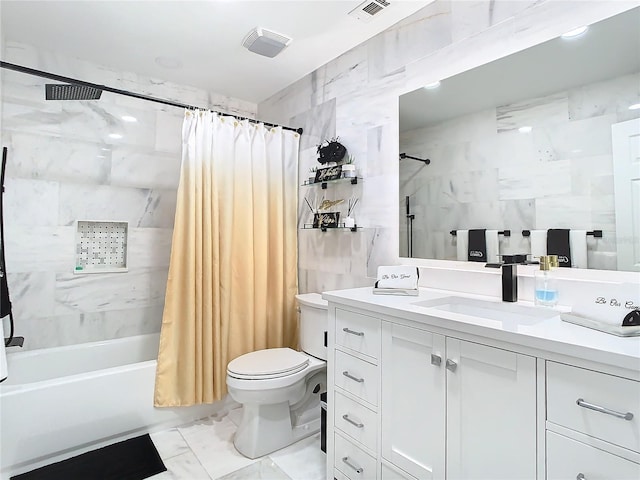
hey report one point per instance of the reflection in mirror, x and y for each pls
(542, 139)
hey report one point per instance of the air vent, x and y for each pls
(366, 10)
(265, 42)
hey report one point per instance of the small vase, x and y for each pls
(349, 222)
(349, 170)
(312, 179)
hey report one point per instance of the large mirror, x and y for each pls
(541, 139)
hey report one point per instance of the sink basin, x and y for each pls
(505, 312)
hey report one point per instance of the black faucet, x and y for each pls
(509, 267)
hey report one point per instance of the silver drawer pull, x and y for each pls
(451, 365)
(353, 332)
(355, 467)
(355, 379)
(436, 360)
(627, 416)
(356, 424)
(581, 476)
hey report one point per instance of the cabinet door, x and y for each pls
(491, 413)
(413, 400)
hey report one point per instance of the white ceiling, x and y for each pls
(204, 36)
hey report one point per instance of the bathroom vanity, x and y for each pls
(468, 387)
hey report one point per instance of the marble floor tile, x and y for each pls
(182, 467)
(303, 460)
(169, 443)
(264, 469)
(211, 440)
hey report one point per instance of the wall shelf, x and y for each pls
(341, 226)
(352, 180)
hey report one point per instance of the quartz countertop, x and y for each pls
(549, 335)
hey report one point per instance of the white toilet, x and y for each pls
(279, 388)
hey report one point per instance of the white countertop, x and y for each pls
(550, 335)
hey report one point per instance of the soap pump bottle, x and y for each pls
(546, 285)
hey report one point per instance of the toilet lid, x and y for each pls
(270, 362)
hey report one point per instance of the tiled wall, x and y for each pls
(356, 95)
(487, 174)
(63, 167)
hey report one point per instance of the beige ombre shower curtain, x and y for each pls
(233, 269)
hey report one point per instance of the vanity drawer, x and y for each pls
(568, 459)
(358, 332)
(357, 377)
(356, 420)
(353, 462)
(594, 403)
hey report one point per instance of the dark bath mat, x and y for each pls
(133, 459)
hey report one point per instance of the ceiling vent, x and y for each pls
(366, 10)
(265, 42)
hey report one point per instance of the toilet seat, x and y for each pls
(267, 364)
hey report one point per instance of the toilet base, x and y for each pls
(266, 428)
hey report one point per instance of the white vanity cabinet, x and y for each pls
(456, 406)
(441, 395)
(593, 424)
(354, 394)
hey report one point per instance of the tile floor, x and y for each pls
(203, 450)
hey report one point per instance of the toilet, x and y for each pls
(279, 388)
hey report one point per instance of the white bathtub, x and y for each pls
(58, 402)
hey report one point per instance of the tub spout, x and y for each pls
(15, 342)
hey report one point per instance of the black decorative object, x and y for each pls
(329, 173)
(326, 220)
(331, 151)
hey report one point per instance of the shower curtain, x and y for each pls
(233, 269)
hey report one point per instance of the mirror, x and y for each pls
(526, 143)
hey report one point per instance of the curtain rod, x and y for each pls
(60, 78)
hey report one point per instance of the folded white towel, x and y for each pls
(578, 244)
(462, 245)
(493, 246)
(399, 276)
(538, 243)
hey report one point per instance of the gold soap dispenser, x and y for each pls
(546, 285)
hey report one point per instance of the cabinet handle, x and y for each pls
(355, 379)
(353, 332)
(355, 467)
(627, 416)
(356, 424)
(581, 476)
(436, 360)
(451, 365)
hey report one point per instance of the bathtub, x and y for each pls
(58, 402)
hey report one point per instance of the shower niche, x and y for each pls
(101, 247)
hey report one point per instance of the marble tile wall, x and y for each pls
(489, 175)
(355, 97)
(62, 167)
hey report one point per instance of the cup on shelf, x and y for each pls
(349, 222)
(349, 170)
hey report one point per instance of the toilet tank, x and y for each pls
(313, 324)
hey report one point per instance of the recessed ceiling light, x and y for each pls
(575, 32)
(525, 129)
(129, 118)
(115, 135)
(433, 85)
(168, 62)
(635, 106)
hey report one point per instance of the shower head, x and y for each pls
(56, 91)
